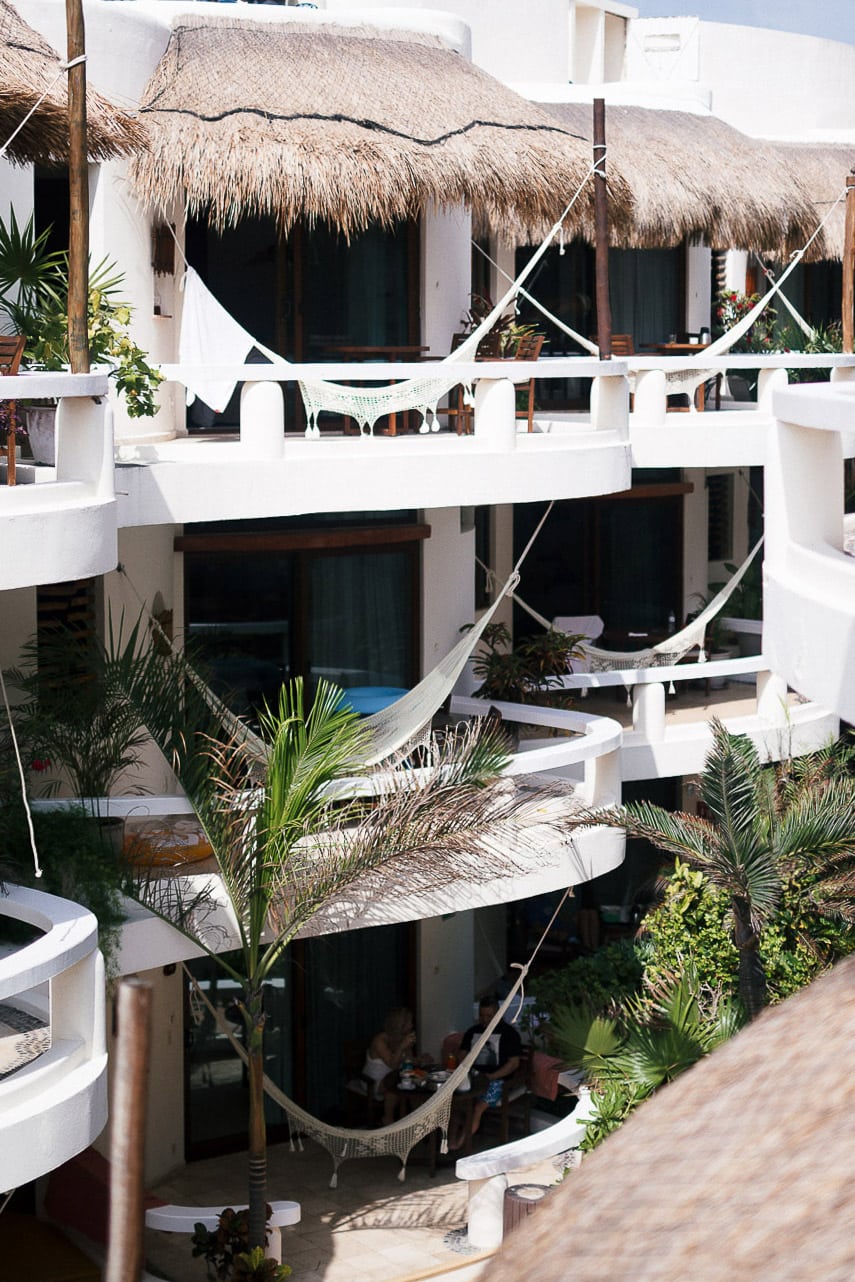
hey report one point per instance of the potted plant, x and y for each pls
(34, 299)
(733, 306)
(528, 672)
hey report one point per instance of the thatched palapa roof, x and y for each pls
(743, 1168)
(694, 177)
(822, 169)
(347, 124)
(30, 67)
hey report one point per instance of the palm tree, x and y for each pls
(655, 1038)
(767, 825)
(292, 833)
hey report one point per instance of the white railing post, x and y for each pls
(495, 412)
(84, 443)
(610, 403)
(648, 710)
(768, 382)
(650, 400)
(602, 784)
(262, 420)
(77, 997)
(772, 698)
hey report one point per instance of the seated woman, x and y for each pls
(385, 1054)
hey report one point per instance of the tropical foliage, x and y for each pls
(732, 306)
(657, 1036)
(767, 827)
(297, 828)
(529, 672)
(34, 299)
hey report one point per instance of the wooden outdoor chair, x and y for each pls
(516, 1100)
(528, 349)
(11, 350)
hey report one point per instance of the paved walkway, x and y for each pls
(371, 1228)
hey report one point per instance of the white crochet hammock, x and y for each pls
(666, 652)
(392, 728)
(209, 331)
(401, 1136)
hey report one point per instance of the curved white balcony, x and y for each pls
(662, 742)
(59, 523)
(736, 435)
(549, 863)
(55, 1105)
(659, 741)
(268, 472)
(809, 578)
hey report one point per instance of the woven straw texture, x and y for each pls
(350, 125)
(743, 1168)
(695, 177)
(30, 65)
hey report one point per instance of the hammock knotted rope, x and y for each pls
(400, 1137)
(664, 653)
(391, 728)
(203, 316)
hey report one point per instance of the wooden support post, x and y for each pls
(601, 226)
(848, 303)
(127, 1132)
(78, 182)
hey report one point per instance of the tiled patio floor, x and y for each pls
(371, 1228)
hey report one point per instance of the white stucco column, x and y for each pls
(446, 978)
(446, 270)
(495, 413)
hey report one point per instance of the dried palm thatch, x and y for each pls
(742, 1168)
(822, 169)
(695, 178)
(30, 67)
(351, 125)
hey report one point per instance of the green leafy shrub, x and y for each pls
(601, 982)
(691, 927)
(529, 672)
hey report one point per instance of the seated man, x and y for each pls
(499, 1058)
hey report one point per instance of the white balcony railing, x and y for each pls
(55, 1105)
(809, 575)
(658, 745)
(59, 523)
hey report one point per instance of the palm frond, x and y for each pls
(729, 784)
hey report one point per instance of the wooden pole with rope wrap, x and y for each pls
(78, 182)
(601, 227)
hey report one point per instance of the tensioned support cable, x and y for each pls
(22, 776)
(63, 68)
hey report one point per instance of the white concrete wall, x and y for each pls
(448, 584)
(698, 288)
(164, 1128)
(512, 41)
(445, 269)
(446, 978)
(772, 84)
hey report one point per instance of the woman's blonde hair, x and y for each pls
(398, 1023)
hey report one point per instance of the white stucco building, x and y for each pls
(355, 556)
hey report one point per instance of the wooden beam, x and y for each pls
(848, 302)
(303, 540)
(78, 182)
(601, 233)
